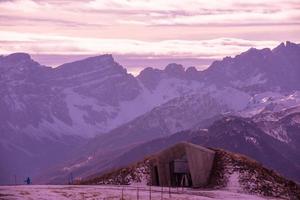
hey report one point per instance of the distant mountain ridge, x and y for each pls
(259, 70)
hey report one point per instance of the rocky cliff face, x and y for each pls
(45, 111)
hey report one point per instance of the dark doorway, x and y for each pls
(155, 176)
(180, 173)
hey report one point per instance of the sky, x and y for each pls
(141, 33)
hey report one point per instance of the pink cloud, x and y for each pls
(168, 28)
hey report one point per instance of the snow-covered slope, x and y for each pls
(283, 125)
(270, 102)
(78, 192)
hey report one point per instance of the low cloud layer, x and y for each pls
(51, 44)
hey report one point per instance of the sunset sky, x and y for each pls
(193, 32)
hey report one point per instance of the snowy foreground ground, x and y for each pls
(59, 192)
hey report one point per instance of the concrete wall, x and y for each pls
(200, 161)
(163, 159)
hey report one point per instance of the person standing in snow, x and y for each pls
(28, 181)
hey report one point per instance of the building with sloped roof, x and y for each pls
(183, 164)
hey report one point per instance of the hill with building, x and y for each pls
(228, 171)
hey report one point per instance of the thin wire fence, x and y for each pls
(116, 192)
(154, 193)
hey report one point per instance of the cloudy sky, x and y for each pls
(193, 32)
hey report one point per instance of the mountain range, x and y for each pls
(88, 116)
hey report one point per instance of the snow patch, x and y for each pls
(251, 140)
(233, 182)
(77, 165)
(278, 133)
(296, 119)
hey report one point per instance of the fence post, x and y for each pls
(169, 191)
(122, 197)
(150, 193)
(162, 190)
(137, 193)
